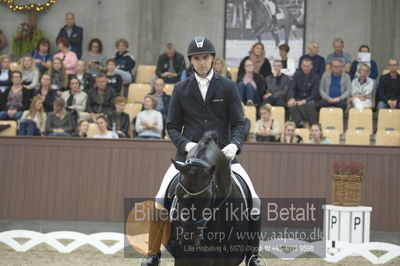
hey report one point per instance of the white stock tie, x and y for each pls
(203, 86)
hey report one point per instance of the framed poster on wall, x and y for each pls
(249, 21)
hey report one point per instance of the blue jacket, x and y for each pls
(75, 40)
(373, 72)
(125, 61)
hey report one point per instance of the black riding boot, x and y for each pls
(151, 260)
(252, 256)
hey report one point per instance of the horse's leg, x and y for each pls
(288, 28)
(276, 37)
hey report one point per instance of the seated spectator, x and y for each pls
(251, 85)
(41, 56)
(260, 62)
(33, 121)
(317, 137)
(15, 100)
(59, 78)
(83, 128)
(114, 80)
(220, 68)
(85, 79)
(104, 132)
(388, 93)
(187, 72)
(345, 58)
(266, 129)
(125, 61)
(303, 91)
(288, 64)
(317, 60)
(335, 87)
(3, 40)
(5, 73)
(278, 86)
(68, 57)
(162, 98)
(119, 118)
(30, 75)
(149, 123)
(46, 93)
(72, 33)
(100, 99)
(170, 65)
(59, 122)
(76, 100)
(373, 74)
(289, 135)
(362, 88)
(94, 57)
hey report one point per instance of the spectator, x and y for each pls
(3, 40)
(170, 65)
(104, 132)
(76, 100)
(46, 93)
(220, 68)
(149, 123)
(266, 129)
(345, 58)
(59, 78)
(317, 137)
(15, 100)
(114, 80)
(69, 58)
(251, 85)
(289, 135)
(85, 79)
(362, 88)
(388, 93)
(119, 118)
(100, 99)
(83, 128)
(41, 56)
(260, 62)
(288, 64)
(278, 86)
(5, 73)
(33, 121)
(187, 72)
(335, 87)
(59, 122)
(317, 60)
(95, 58)
(125, 61)
(72, 33)
(162, 98)
(30, 75)
(373, 74)
(303, 91)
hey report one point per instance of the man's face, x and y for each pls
(16, 79)
(277, 67)
(306, 66)
(101, 82)
(170, 52)
(202, 63)
(338, 47)
(69, 20)
(101, 124)
(159, 85)
(393, 65)
(314, 49)
(336, 68)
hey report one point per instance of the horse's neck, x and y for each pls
(224, 181)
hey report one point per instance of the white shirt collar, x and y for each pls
(209, 76)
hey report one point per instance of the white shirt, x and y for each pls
(204, 83)
(106, 136)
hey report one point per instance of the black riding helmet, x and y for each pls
(200, 45)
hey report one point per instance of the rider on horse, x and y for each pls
(204, 101)
(271, 6)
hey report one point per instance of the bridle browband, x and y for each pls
(199, 163)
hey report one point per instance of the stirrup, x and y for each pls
(150, 260)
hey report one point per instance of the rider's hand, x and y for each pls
(190, 146)
(230, 151)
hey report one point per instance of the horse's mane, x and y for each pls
(204, 143)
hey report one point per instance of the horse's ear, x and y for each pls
(179, 165)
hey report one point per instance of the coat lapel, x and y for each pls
(196, 89)
(214, 85)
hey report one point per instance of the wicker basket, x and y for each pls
(347, 190)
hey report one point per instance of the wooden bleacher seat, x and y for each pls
(137, 91)
(251, 113)
(93, 130)
(333, 135)
(331, 118)
(389, 119)
(278, 113)
(234, 72)
(169, 87)
(304, 133)
(11, 131)
(132, 109)
(360, 119)
(145, 73)
(387, 138)
(357, 137)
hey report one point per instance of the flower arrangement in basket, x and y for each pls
(347, 179)
(25, 39)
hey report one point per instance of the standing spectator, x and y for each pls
(100, 99)
(373, 74)
(288, 64)
(220, 68)
(46, 93)
(317, 60)
(76, 100)
(59, 122)
(3, 40)
(125, 61)
(119, 118)
(278, 86)
(85, 79)
(72, 33)
(59, 78)
(345, 58)
(162, 98)
(30, 74)
(41, 56)
(251, 85)
(303, 91)
(335, 87)
(388, 94)
(266, 129)
(289, 135)
(149, 122)
(95, 58)
(114, 80)
(362, 88)
(260, 62)
(104, 132)
(69, 58)
(170, 65)
(5, 73)
(15, 100)
(83, 128)
(33, 121)
(317, 137)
